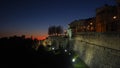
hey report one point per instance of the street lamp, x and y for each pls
(73, 60)
(114, 17)
(65, 50)
(53, 48)
(114, 23)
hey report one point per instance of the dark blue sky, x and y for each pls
(33, 17)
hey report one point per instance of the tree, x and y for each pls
(55, 30)
(59, 30)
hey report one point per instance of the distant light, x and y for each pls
(69, 53)
(73, 60)
(91, 23)
(114, 17)
(65, 50)
(53, 48)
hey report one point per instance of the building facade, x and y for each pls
(118, 7)
(105, 17)
(118, 15)
(83, 25)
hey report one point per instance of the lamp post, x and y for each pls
(114, 24)
(114, 17)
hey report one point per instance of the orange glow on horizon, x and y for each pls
(37, 37)
(41, 37)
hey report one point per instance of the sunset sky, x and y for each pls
(33, 17)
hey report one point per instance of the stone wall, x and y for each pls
(59, 41)
(98, 50)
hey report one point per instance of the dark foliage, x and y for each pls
(18, 52)
(55, 30)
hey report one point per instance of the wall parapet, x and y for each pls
(105, 39)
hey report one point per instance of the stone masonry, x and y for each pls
(98, 50)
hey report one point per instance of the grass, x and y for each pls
(79, 63)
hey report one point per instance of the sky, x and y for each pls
(33, 17)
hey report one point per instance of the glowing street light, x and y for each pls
(114, 17)
(73, 60)
(65, 50)
(53, 48)
(91, 23)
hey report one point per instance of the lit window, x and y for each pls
(91, 23)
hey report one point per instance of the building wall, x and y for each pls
(107, 20)
(59, 42)
(118, 7)
(118, 15)
(104, 17)
(83, 25)
(98, 50)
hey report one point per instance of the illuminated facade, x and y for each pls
(83, 25)
(107, 19)
(104, 18)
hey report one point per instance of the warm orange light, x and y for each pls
(91, 23)
(114, 17)
(41, 37)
